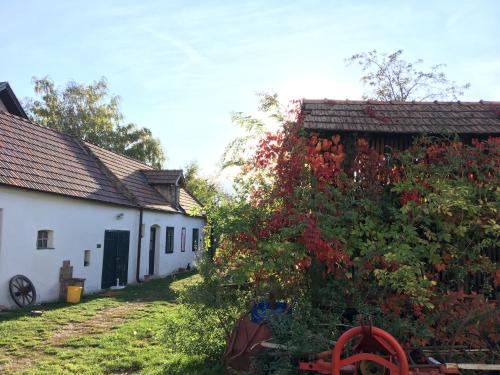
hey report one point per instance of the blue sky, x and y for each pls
(181, 67)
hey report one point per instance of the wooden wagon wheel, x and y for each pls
(22, 290)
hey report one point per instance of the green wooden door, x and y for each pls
(115, 257)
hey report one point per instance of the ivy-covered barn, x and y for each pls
(392, 125)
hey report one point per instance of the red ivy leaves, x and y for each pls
(325, 158)
(410, 196)
(329, 252)
(370, 111)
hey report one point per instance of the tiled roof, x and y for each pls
(402, 117)
(138, 177)
(37, 158)
(164, 176)
(187, 201)
(129, 172)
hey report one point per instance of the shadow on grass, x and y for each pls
(154, 290)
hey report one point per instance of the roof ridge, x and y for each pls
(121, 155)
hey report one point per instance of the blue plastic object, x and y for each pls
(262, 310)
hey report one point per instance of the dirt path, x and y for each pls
(103, 321)
(97, 324)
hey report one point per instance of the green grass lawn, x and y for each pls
(119, 332)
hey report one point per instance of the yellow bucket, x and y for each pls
(74, 294)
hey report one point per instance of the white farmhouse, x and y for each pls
(115, 219)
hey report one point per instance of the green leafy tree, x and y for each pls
(390, 77)
(206, 190)
(91, 113)
(238, 151)
(214, 199)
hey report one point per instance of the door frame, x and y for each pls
(154, 256)
(121, 251)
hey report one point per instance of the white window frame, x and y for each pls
(45, 239)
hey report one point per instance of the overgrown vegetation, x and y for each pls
(407, 240)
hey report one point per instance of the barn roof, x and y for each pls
(38, 158)
(402, 117)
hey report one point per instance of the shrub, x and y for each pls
(206, 316)
(408, 240)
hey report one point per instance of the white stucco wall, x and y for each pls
(167, 263)
(78, 225)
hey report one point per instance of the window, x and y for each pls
(183, 239)
(169, 244)
(86, 258)
(44, 239)
(196, 233)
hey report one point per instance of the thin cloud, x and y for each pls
(185, 48)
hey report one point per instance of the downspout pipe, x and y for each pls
(139, 243)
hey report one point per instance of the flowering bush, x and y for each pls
(408, 240)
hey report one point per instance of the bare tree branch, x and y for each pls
(389, 77)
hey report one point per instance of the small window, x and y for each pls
(86, 258)
(183, 239)
(169, 245)
(196, 233)
(44, 239)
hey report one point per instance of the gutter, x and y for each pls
(139, 243)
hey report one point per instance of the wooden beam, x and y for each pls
(473, 366)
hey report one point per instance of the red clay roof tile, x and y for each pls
(38, 158)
